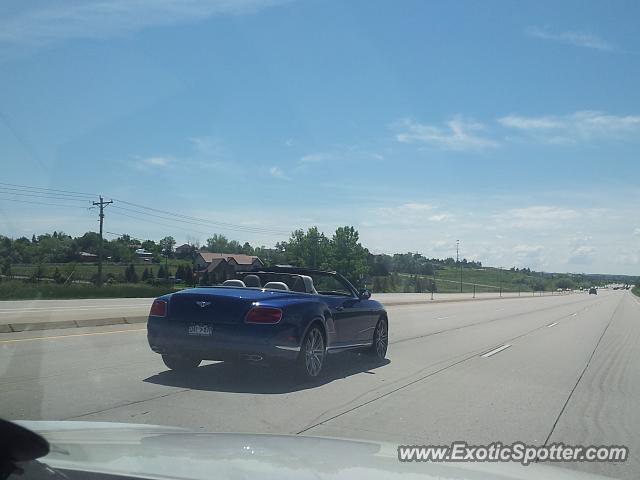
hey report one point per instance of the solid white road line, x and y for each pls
(552, 324)
(496, 350)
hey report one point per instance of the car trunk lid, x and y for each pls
(217, 305)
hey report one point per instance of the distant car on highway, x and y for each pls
(278, 314)
(593, 291)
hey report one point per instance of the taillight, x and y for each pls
(158, 308)
(263, 315)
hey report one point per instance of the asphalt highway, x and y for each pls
(27, 311)
(538, 370)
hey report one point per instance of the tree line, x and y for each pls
(342, 251)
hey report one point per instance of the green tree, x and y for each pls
(161, 272)
(187, 273)
(130, 274)
(151, 246)
(310, 249)
(218, 244)
(166, 246)
(145, 275)
(295, 249)
(180, 272)
(89, 242)
(564, 283)
(348, 256)
(247, 249)
(234, 247)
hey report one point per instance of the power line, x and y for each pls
(47, 189)
(42, 203)
(70, 196)
(125, 234)
(203, 220)
(201, 223)
(175, 226)
(155, 222)
(55, 196)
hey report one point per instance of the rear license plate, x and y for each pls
(200, 330)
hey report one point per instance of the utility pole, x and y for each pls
(101, 204)
(458, 262)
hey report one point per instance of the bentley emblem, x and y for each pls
(203, 304)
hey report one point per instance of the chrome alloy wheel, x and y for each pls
(313, 352)
(381, 339)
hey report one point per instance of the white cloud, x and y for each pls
(583, 254)
(636, 232)
(276, 172)
(536, 217)
(577, 39)
(157, 161)
(52, 22)
(527, 250)
(415, 206)
(526, 255)
(341, 153)
(411, 215)
(585, 125)
(315, 158)
(460, 134)
(288, 142)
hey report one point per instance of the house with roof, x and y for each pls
(184, 251)
(222, 266)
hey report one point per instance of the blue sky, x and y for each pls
(511, 126)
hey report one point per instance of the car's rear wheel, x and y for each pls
(380, 339)
(312, 354)
(181, 363)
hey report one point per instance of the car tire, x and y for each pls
(380, 343)
(181, 363)
(313, 354)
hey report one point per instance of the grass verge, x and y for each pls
(17, 290)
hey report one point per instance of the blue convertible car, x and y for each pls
(280, 313)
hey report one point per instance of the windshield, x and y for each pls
(402, 222)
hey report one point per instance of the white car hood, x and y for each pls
(172, 453)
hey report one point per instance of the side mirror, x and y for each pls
(365, 294)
